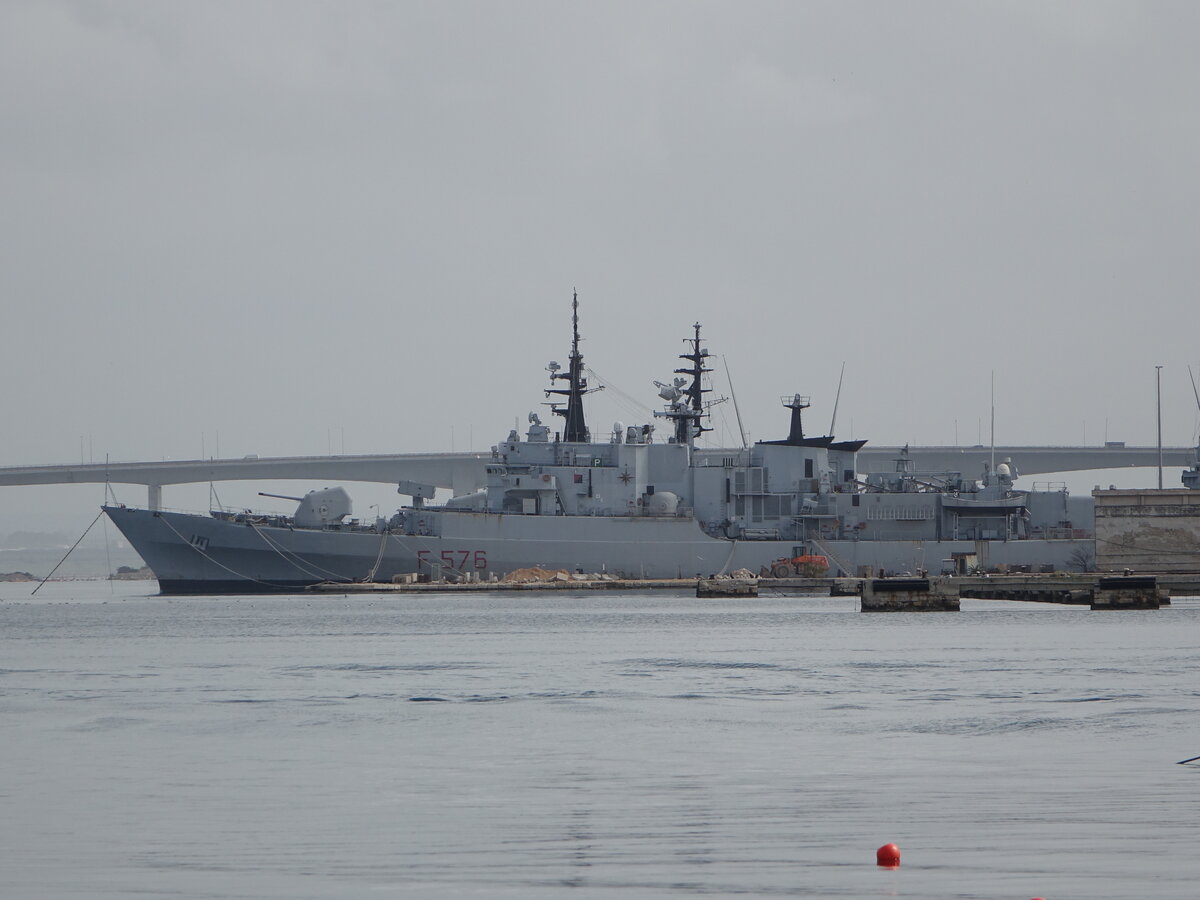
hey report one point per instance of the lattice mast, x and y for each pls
(574, 428)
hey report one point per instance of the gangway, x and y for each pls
(825, 551)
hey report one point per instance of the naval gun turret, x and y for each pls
(320, 508)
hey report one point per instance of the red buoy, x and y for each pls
(888, 856)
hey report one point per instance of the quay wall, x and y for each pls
(1148, 530)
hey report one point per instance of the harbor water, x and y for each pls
(591, 745)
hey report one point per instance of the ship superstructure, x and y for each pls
(636, 502)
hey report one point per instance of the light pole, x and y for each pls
(1158, 394)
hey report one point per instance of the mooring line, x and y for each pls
(285, 553)
(378, 557)
(69, 552)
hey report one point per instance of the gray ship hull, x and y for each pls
(195, 554)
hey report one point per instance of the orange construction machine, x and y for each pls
(804, 566)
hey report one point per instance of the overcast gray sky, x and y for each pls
(287, 228)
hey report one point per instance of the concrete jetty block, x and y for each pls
(727, 587)
(845, 587)
(1068, 589)
(1127, 592)
(908, 595)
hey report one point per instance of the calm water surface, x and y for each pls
(563, 745)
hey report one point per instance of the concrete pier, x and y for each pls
(727, 587)
(446, 587)
(1128, 592)
(1096, 591)
(909, 595)
(1067, 589)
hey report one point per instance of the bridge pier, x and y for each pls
(154, 496)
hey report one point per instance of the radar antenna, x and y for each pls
(797, 404)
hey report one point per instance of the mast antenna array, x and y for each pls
(575, 429)
(686, 394)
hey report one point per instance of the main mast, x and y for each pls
(688, 428)
(686, 394)
(574, 428)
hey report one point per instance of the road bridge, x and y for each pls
(458, 472)
(1028, 460)
(463, 472)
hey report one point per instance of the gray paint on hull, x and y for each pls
(193, 550)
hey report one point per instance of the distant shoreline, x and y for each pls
(122, 574)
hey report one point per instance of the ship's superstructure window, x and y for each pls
(764, 508)
(899, 513)
(750, 481)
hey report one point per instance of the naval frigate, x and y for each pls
(630, 505)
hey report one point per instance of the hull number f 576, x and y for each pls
(454, 559)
